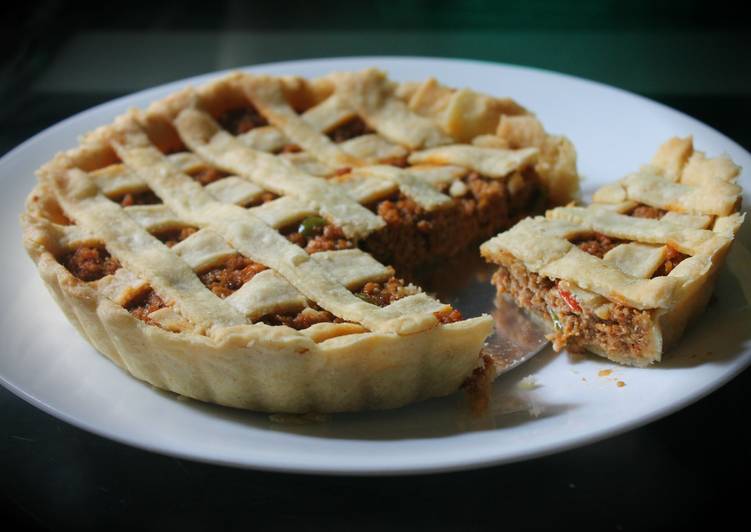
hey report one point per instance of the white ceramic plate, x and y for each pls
(46, 363)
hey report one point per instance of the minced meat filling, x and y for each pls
(290, 148)
(413, 236)
(385, 292)
(146, 197)
(242, 120)
(672, 259)
(170, 237)
(314, 234)
(303, 319)
(597, 244)
(229, 276)
(645, 211)
(478, 386)
(448, 315)
(376, 293)
(349, 130)
(144, 304)
(401, 161)
(265, 197)
(90, 263)
(626, 330)
(208, 175)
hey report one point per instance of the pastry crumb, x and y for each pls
(529, 382)
(620, 384)
(535, 410)
(604, 372)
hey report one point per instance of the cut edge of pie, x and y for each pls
(172, 245)
(623, 276)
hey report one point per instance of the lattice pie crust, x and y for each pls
(165, 237)
(623, 276)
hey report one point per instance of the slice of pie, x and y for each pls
(236, 243)
(623, 276)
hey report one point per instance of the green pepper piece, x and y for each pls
(365, 297)
(310, 226)
(556, 320)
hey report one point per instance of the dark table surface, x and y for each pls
(682, 471)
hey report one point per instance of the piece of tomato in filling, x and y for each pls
(315, 234)
(144, 304)
(89, 263)
(569, 299)
(242, 119)
(227, 277)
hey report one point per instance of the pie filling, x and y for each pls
(170, 237)
(478, 386)
(242, 119)
(385, 292)
(265, 197)
(414, 237)
(598, 245)
(355, 127)
(376, 293)
(645, 211)
(303, 319)
(144, 304)
(614, 329)
(89, 263)
(672, 259)
(315, 234)
(145, 197)
(290, 148)
(208, 175)
(227, 277)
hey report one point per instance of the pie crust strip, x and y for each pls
(203, 135)
(370, 95)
